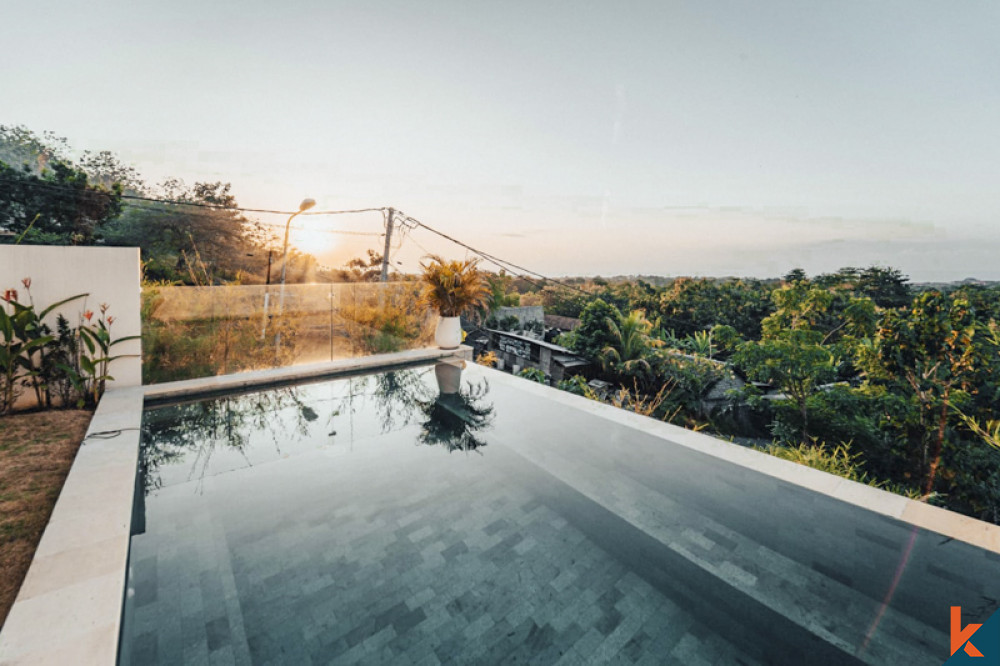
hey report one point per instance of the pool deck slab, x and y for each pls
(70, 601)
(69, 608)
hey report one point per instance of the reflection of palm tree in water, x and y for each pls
(454, 419)
(398, 396)
(201, 427)
(449, 419)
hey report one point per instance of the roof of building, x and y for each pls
(540, 343)
(569, 360)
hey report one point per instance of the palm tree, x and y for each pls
(631, 343)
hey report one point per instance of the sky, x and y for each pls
(668, 138)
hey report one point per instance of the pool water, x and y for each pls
(388, 519)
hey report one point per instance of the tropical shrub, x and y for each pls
(488, 359)
(71, 365)
(533, 374)
(689, 380)
(576, 385)
(839, 460)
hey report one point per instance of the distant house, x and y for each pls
(516, 352)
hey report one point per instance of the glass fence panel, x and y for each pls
(203, 331)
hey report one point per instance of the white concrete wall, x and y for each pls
(107, 274)
(523, 313)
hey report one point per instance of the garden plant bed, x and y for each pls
(36, 452)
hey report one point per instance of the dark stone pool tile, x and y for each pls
(217, 632)
(496, 526)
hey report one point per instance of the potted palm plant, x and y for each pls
(451, 288)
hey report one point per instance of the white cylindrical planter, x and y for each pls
(449, 377)
(448, 334)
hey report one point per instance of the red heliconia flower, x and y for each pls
(111, 320)
(26, 282)
(88, 314)
(104, 307)
(10, 295)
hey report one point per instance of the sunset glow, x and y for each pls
(316, 239)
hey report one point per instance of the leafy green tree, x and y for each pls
(792, 354)
(106, 169)
(20, 148)
(795, 361)
(193, 243)
(690, 305)
(795, 275)
(726, 339)
(887, 287)
(501, 293)
(984, 301)
(845, 279)
(594, 335)
(559, 300)
(58, 206)
(44, 197)
(931, 354)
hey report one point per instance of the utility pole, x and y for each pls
(267, 295)
(389, 222)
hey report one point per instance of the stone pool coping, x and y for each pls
(69, 607)
(942, 521)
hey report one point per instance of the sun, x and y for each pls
(313, 241)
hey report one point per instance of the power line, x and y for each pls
(67, 192)
(496, 260)
(136, 197)
(406, 220)
(503, 264)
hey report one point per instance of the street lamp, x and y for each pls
(303, 207)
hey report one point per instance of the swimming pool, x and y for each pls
(388, 517)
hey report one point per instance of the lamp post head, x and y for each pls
(306, 204)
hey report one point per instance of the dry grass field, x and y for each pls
(36, 452)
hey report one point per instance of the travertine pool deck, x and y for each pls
(70, 606)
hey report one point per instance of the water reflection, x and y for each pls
(189, 442)
(453, 420)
